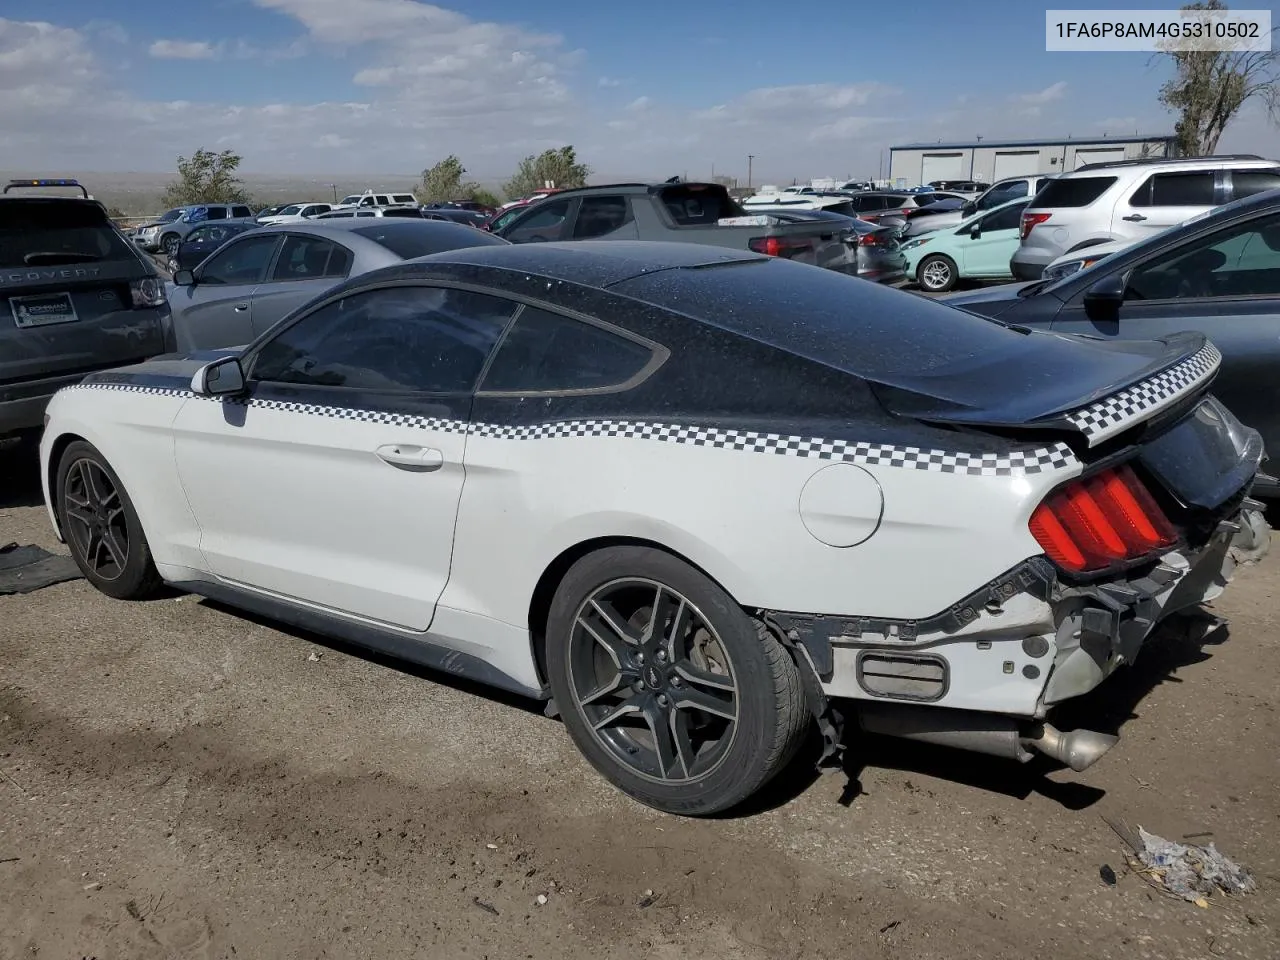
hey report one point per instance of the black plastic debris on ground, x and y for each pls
(28, 568)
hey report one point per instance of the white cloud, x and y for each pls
(1049, 94)
(107, 30)
(608, 82)
(183, 50)
(639, 104)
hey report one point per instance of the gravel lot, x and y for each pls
(181, 781)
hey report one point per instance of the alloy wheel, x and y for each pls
(936, 275)
(96, 518)
(654, 681)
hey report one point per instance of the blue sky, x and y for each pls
(351, 86)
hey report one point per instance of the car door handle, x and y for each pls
(241, 307)
(1134, 218)
(411, 455)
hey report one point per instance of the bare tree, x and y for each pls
(1209, 87)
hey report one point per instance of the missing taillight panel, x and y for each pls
(1103, 520)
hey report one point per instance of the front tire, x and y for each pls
(937, 273)
(169, 244)
(689, 710)
(101, 526)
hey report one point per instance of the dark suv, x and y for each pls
(75, 296)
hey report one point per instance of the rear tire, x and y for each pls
(937, 273)
(101, 526)
(716, 686)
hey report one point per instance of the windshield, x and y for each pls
(291, 210)
(171, 215)
(353, 198)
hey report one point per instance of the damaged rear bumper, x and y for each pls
(984, 674)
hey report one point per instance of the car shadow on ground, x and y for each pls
(20, 475)
(1178, 643)
(461, 684)
(799, 775)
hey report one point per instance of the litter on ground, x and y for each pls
(1190, 871)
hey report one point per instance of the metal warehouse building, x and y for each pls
(990, 160)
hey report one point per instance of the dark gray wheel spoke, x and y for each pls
(719, 705)
(79, 512)
(704, 678)
(629, 708)
(113, 547)
(90, 484)
(609, 686)
(658, 720)
(685, 752)
(614, 643)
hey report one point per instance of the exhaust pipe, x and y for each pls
(1079, 749)
(990, 733)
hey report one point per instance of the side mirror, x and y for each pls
(975, 232)
(184, 278)
(1103, 299)
(969, 208)
(222, 378)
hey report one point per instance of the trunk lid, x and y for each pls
(65, 299)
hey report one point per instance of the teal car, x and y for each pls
(978, 249)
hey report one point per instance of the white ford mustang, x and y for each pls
(702, 502)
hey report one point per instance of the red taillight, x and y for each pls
(868, 240)
(786, 247)
(1094, 523)
(1031, 220)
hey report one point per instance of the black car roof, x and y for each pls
(593, 263)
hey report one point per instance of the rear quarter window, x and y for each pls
(1073, 191)
(693, 205)
(548, 353)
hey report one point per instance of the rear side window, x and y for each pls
(548, 353)
(305, 258)
(241, 212)
(404, 198)
(1007, 219)
(1073, 191)
(217, 213)
(690, 205)
(1193, 189)
(38, 232)
(1245, 183)
(408, 239)
(600, 215)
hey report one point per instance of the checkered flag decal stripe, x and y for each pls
(1120, 411)
(1008, 463)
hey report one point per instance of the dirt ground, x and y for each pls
(177, 780)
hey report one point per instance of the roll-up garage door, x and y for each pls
(1016, 163)
(1100, 155)
(942, 166)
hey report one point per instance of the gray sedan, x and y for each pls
(259, 277)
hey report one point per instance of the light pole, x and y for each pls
(335, 192)
(750, 158)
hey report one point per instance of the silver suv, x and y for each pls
(166, 233)
(1130, 200)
